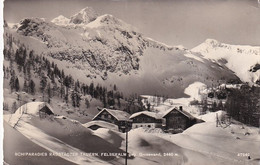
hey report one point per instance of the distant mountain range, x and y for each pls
(106, 50)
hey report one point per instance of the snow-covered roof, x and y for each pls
(181, 111)
(102, 124)
(147, 113)
(118, 114)
(32, 108)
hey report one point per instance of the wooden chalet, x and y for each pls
(146, 119)
(41, 109)
(117, 117)
(178, 120)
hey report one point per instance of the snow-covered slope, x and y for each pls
(202, 143)
(62, 136)
(238, 58)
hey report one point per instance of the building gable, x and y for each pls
(105, 115)
(178, 112)
(175, 113)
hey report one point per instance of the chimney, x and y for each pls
(180, 108)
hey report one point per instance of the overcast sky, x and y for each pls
(174, 22)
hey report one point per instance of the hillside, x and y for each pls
(61, 135)
(106, 50)
(31, 77)
(19, 143)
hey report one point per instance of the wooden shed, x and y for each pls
(178, 120)
(118, 117)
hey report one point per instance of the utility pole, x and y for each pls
(259, 125)
(217, 120)
(126, 141)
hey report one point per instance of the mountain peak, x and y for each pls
(211, 41)
(84, 16)
(110, 21)
(61, 20)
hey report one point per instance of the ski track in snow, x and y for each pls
(55, 145)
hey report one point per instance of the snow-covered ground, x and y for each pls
(50, 143)
(14, 142)
(202, 143)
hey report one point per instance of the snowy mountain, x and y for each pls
(61, 20)
(107, 50)
(85, 16)
(240, 59)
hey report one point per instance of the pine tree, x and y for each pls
(66, 98)
(78, 99)
(31, 54)
(148, 107)
(104, 101)
(17, 85)
(62, 91)
(7, 73)
(62, 74)
(25, 86)
(118, 102)
(32, 87)
(91, 89)
(52, 77)
(111, 101)
(204, 106)
(87, 103)
(12, 81)
(77, 86)
(115, 88)
(49, 92)
(73, 99)
(43, 84)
